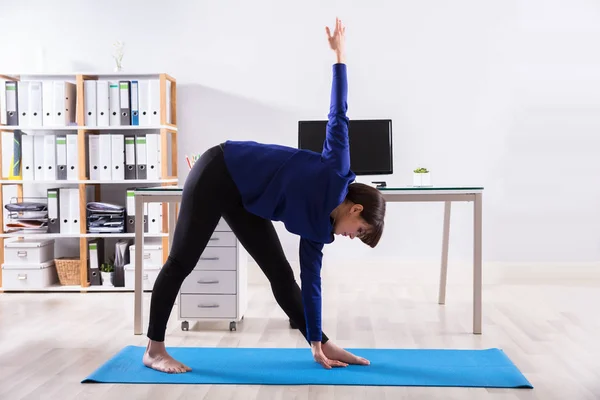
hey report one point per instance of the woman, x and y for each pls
(251, 184)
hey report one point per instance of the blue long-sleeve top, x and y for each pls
(300, 188)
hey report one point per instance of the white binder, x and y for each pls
(144, 102)
(154, 102)
(3, 120)
(117, 157)
(153, 156)
(23, 102)
(7, 152)
(72, 158)
(105, 157)
(49, 157)
(102, 101)
(63, 210)
(114, 106)
(94, 156)
(154, 217)
(38, 158)
(65, 94)
(35, 104)
(74, 217)
(48, 103)
(89, 102)
(27, 164)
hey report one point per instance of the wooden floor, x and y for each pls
(51, 341)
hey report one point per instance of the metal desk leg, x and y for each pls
(477, 262)
(172, 218)
(445, 240)
(139, 245)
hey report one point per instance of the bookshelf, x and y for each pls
(166, 127)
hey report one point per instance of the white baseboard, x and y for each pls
(458, 273)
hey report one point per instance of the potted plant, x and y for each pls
(421, 177)
(107, 271)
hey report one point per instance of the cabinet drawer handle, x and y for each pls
(208, 282)
(22, 253)
(147, 255)
(209, 258)
(145, 277)
(22, 277)
(214, 238)
(208, 305)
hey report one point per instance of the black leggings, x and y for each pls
(209, 193)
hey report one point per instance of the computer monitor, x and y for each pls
(370, 143)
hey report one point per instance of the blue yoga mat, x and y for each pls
(489, 368)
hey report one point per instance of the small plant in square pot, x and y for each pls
(107, 271)
(421, 177)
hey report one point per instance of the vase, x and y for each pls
(421, 179)
(107, 278)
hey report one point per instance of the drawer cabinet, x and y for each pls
(217, 287)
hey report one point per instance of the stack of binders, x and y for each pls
(63, 209)
(39, 103)
(119, 157)
(124, 102)
(52, 103)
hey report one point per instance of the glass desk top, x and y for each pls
(177, 189)
(159, 189)
(431, 188)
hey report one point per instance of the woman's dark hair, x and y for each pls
(373, 210)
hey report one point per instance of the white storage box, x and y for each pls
(28, 276)
(152, 255)
(149, 275)
(28, 251)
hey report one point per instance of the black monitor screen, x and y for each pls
(370, 144)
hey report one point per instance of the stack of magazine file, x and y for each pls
(105, 218)
(30, 217)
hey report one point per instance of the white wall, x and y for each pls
(500, 94)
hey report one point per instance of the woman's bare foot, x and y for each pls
(156, 357)
(334, 352)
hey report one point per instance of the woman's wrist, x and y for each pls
(340, 57)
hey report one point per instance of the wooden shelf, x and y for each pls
(89, 182)
(85, 128)
(80, 235)
(167, 130)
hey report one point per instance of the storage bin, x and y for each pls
(28, 276)
(152, 255)
(149, 275)
(69, 270)
(28, 251)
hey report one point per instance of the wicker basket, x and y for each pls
(68, 269)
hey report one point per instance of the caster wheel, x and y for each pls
(293, 325)
(185, 326)
(232, 326)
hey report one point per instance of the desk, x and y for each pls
(172, 195)
(448, 195)
(162, 194)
